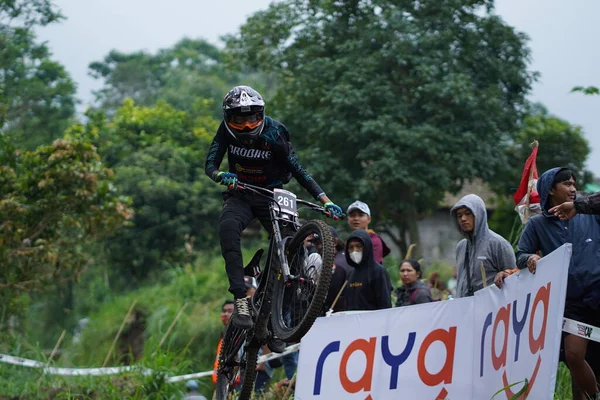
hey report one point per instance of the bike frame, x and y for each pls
(282, 223)
(280, 219)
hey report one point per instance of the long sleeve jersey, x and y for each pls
(269, 162)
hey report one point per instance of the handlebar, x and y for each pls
(270, 195)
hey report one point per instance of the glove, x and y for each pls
(228, 179)
(334, 211)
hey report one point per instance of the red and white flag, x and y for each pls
(527, 199)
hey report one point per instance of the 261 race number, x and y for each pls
(286, 201)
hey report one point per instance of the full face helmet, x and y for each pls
(244, 113)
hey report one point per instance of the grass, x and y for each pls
(23, 383)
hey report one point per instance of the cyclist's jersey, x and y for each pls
(269, 162)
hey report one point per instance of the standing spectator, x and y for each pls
(412, 291)
(545, 233)
(369, 286)
(359, 217)
(451, 284)
(481, 246)
(191, 387)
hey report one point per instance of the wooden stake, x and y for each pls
(172, 325)
(483, 275)
(337, 297)
(290, 384)
(54, 350)
(62, 336)
(409, 251)
(119, 333)
(529, 186)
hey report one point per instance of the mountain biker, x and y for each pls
(259, 152)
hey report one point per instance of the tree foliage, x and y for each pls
(180, 75)
(36, 93)
(158, 156)
(53, 202)
(590, 90)
(395, 102)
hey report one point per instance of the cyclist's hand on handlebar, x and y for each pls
(228, 179)
(332, 210)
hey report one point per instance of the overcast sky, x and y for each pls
(564, 41)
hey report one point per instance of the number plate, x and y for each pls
(286, 200)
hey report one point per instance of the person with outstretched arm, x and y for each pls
(543, 234)
(583, 205)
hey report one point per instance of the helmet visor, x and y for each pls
(241, 122)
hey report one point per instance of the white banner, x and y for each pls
(518, 330)
(461, 349)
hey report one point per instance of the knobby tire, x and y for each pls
(315, 308)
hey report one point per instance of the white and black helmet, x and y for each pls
(244, 113)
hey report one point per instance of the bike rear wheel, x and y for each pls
(249, 373)
(298, 302)
(232, 364)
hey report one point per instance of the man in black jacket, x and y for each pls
(369, 286)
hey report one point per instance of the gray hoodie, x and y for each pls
(483, 246)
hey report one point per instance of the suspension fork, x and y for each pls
(280, 245)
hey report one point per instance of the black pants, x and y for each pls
(239, 209)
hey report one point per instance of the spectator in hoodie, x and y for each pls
(481, 246)
(543, 234)
(359, 217)
(412, 291)
(369, 286)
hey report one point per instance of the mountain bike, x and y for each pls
(292, 287)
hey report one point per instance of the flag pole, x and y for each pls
(529, 185)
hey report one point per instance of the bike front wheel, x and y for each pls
(299, 301)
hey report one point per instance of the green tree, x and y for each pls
(36, 94)
(158, 156)
(590, 90)
(394, 102)
(190, 71)
(179, 75)
(54, 202)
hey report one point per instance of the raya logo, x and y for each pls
(510, 326)
(394, 364)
